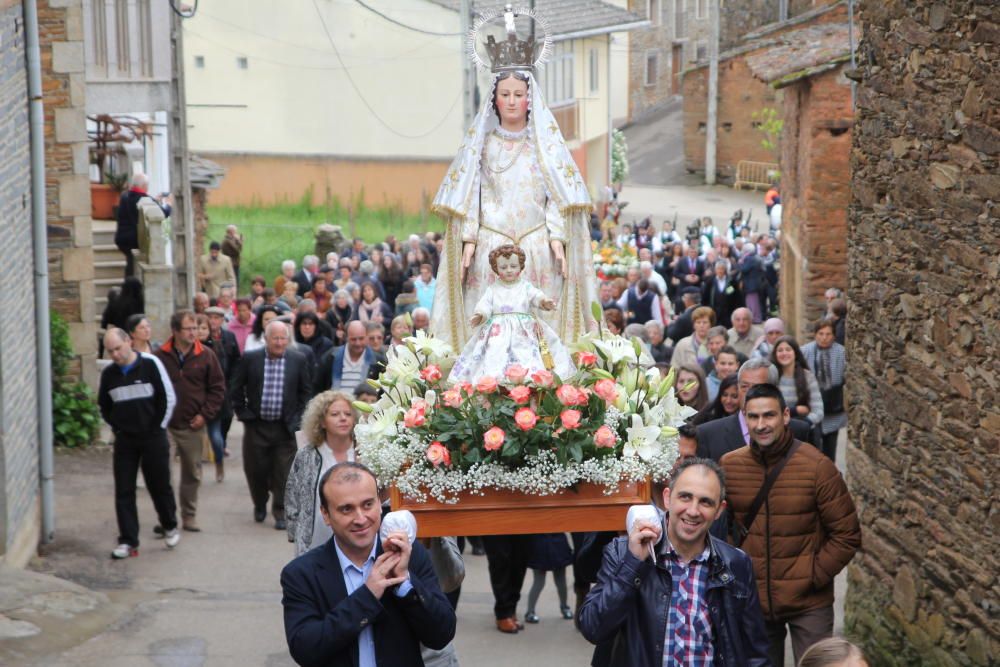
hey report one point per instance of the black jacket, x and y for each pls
(631, 601)
(721, 436)
(227, 351)
(248, 385)
(322, 622)
(138, 402)
(127, 231)
(682, 327)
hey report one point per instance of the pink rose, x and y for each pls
(570, 418)
(431, 374)
(420, 405)
(542, 378)
(516, 373)
(586, 358)
(466, 387)
(452, 398)
(607, 390)
(414, 418)
(525, 418)
(570, 395)
(438, 454)
(520, 394)
(605, 437)
(487, 385)
(493, 439)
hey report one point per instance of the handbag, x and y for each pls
(833, 400)
(740, 529)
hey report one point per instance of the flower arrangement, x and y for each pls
(611, 261)
(612, 421)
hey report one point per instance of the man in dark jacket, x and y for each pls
(127, 230)
(200, 387)
(358, 600)
(681, 599)
(269, 391)
(136, 399)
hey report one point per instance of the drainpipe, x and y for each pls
(39, 237)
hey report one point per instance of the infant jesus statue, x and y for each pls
(511, 334)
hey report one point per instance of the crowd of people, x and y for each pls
(290, 355)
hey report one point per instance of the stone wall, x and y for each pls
(71, 257)
(19, 527)
(924, 333)
(658, 39)
(815, 194)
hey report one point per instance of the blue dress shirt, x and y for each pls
(354, 578)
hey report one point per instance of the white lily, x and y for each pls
(428, 345)
(401, 364)
(615, 348)
(381, 423)
(641, 440)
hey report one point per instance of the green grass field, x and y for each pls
(286, 231)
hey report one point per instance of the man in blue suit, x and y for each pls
(356, 602)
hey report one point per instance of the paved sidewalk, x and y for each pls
(214, 600)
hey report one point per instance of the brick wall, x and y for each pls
(71, 258)
(815, 189)
(924, 333)
(740, 94)
(18, 408)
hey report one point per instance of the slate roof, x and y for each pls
(802, 53)
(566, 17)
(204, 173)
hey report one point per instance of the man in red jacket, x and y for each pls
(200, 387)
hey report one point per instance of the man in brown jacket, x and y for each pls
(200, 387)
(805, 532)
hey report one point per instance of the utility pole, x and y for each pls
(712, 118)
(468, 70)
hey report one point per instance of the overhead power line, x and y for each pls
(354, 85)
(404, 25)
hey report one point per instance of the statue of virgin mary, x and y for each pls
(514, 181)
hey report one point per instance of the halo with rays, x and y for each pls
(492, 15)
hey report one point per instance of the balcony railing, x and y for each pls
(127, 40)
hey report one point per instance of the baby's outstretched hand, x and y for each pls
(476, 320)
(547, 304)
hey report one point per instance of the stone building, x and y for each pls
(19, 506)
(71, 257)
(924, 333)
(815, 165)
(741, 94)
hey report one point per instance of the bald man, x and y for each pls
(269, 391)
(137, 399)
(344, 368)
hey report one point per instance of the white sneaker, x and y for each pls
(124, 551)
(172, 538)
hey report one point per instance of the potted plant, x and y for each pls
(107, 135)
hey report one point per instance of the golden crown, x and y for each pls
(511, 53)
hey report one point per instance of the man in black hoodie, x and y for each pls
(137, 399)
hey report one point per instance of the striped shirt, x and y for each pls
(274, 380)
(689, 627)
(350, 374)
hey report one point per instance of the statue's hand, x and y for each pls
(468, 250)
(557, 250)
